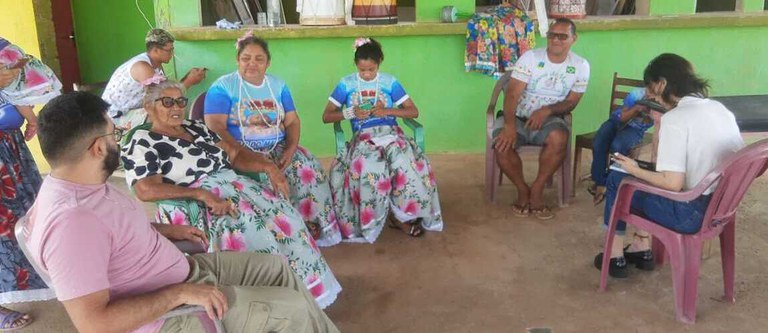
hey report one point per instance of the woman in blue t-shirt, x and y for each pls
(255, 109)
(382, 171)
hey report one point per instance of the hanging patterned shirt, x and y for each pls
(352, 90)
(256, 113)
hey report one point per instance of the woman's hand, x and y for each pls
(285, 160)
(279, 183)
(626, 163)
(216, 205)
(379, 110)
(361, 114)
(30, 131)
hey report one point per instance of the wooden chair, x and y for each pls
(619, 90)
(493, 175)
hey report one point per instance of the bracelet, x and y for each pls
(349, 112)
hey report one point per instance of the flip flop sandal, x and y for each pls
(592, 190)
(521, 211)
(415, 230)
(598, 198)
(543, 213)
(9, 318)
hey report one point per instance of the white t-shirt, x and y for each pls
(548, 83)
(695, 137)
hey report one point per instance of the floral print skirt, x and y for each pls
(310, 193)
(19, 183)
(266, 223)
(383, 171)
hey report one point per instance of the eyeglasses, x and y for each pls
(117, 133)
(558, 36)
(168, 50)
(169, 101)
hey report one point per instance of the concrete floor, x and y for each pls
(491, 272)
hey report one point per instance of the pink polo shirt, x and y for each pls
(93, 237)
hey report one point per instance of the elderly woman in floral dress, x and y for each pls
(183, 161)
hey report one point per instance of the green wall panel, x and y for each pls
(452, 103)
(108, 33)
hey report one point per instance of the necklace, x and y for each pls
(253, 107)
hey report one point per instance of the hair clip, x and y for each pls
(248, 34)
(360, 41)
(155, 79)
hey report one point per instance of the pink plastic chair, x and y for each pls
(22, 233)
(733, 177)
(197, 111)
(493, 176)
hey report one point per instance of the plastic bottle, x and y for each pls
(274, 13)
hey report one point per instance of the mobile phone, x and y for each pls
(366, 106)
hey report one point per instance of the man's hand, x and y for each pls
(279, 183)
(216, 205)
(505, 139)
(7, 76)
(194, 76)
(207, 296)
(185, 232)
(537, 118)
(285, 160)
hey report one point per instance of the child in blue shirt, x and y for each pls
(623, 130)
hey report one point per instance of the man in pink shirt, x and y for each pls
(114, 271)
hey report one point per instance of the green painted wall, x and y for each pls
(108, 33)
(668, 7)
(452, 102)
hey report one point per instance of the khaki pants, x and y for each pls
(263, 293)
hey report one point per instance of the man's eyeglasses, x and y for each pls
(117, 133)
(558, 36)
(169, 101)
(169, 50)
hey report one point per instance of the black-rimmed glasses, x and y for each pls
(117, 133)
(169, 101)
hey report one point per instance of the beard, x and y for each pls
(112, 161)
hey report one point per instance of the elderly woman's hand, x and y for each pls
(7, 76)
(279, 183)
(285, 160)
(218, 206)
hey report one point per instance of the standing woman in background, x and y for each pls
(23, 81)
